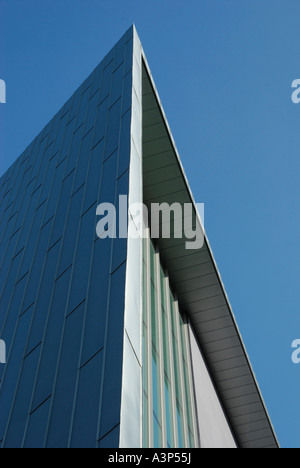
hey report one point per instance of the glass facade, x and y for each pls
(62, 289)
(169, 416)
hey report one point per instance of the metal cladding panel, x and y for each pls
(131, 404)
(62, 289)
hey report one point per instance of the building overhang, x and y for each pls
(198, 285)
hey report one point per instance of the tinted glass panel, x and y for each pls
(62, 290)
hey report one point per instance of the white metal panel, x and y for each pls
(131, 403)
(213, 426)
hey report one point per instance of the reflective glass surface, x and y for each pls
(169, 401)
(62, 290)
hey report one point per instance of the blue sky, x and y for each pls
(223, 69)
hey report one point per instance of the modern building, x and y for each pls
(114, 342)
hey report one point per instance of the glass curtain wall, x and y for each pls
(169, 415)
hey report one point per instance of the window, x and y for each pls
(168, 395)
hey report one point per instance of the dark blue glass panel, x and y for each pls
(113, 129)
(12, 369)
(111, 440)
(82, 108)
(74, 150)
(117, 84)
(62, 208)
(97, 79)
(13, 313)
(128, 56)
(120, 245)
(91, 113)
(101, 121)
(43, 298)
(27, 220)
(48, 179)
(120, 51)
(97, 302)
(60, 134)
(75, 105)
(109, 180)
(32, 241)
(18, 417)
(51, 340)
(84, 434)
(81, 270)
(110, 414)
(35, 434)
(64, 393)
(61, 288)
(106, 80)
(94, 176)
(8, 290)
(37, 266)
(55, 191)
(125, 142)
(86, 85)
(83, 161)
(66, 142)
(71, 232)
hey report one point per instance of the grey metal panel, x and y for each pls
(256, 435)
(200, 293)
(175, 196)
(233, 396)
(197, 283)
(243, 400)
(221, 345)
(171, 191)
(243, 410)
(156, 146)
(217, 335)
(225, 354)
(185, 262)
(233, 383)
(230, 374)
(204, 304)
(250, 428)
(248, 418)
(151, 116)
(158, 160)
(211, 315)
(215, 324)
(148, 131)
(161, 175)
(210, 279)
(267, 442)
(197, 273)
